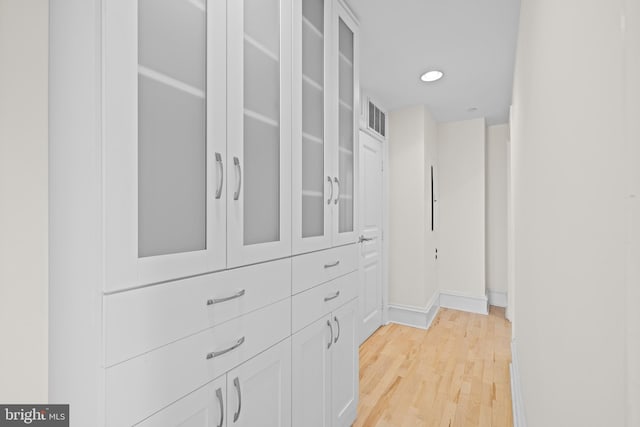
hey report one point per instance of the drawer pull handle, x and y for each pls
(330, 186)
(236, 383)
(219, 396)
(219, 300)
(335, 179)
(330, 339)
(334, 296)
(338, 325)
(335, 264)
(236, 163)
(226, 350)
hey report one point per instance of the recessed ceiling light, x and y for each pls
(431, 76)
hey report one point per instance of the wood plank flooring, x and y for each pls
(456, 374)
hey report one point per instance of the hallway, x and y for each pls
(454, 374)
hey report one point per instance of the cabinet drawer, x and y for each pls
(143, 319)
(316, 302)
(139, 387)
(318, 267)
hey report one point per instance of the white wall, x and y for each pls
(461, 208)
(23, 200)
(410, 282)
(496, 208)
(570, 223)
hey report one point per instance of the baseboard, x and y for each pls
(458, 301)
(497, 298)
(414, 316)
(517, 405)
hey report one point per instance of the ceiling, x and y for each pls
(472, 41)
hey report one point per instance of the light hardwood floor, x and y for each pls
(454, 374)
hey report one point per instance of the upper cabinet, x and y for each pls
(259, 130)
(325, 95)
(164, 91)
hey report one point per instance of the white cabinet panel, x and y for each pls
(259, 131)
(311, 377)
(143, 319)
(344, 365)
(311, 269)
(204, 407)
(138, 387)
(164, 129)
(259, 391)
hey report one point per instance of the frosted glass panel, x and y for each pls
(261, 185)
(261, 82)
(313, 206)
(262, 23)
(312, 54)
(172, 170)
(261, 129)
(345, 129)
(172, 39)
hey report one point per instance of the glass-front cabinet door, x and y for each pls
(312, 148)
(345, 226)
(259, 130)
(165, 141)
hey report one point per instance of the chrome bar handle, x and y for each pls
(335, 179)
(226, 350)
(236, 163)
(221, 179)
(365, 239)
(219, 300)
(331, 339)
(335, 264)
(335, 319)
(221, 403)
(330, 194)
(236, 384)
(334, 296)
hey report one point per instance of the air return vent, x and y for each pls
(377, 120)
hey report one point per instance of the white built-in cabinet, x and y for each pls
(325, 370)
(324, 144)
(205, 213)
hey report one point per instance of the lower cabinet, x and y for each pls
(256, 393)
(325, 370)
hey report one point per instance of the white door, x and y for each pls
(311, 374)
(259, 131)
(371, 235)
(259, 390)
(312, 147)
(346, 108)
(344, 364)
(204, 407)
(165, 130)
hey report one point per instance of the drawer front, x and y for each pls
(137, 388)
(143, 319)
(312, 269)
(316, 302)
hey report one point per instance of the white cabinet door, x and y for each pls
(346, 107)
(259, 390)
(259, 130)
(312, 145)
(165, 140)
(311, 375)
(344, 364)
(204, 407)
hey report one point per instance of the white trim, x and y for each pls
(170, 81)
(517, 404)
(498, 298)
(414, 316)
(463, 302)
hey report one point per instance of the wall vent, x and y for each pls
(376, 119)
